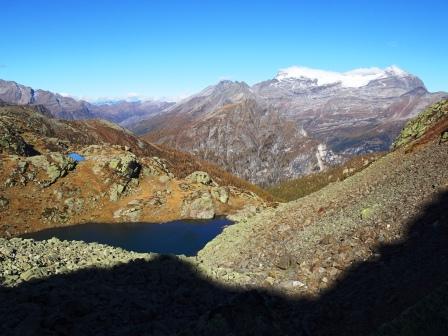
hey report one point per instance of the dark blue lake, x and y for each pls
(178, 237)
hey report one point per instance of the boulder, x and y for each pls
(131, 214)
(246, 212)
(444, 136)
(155, 166)
(164, 179)
(200, 177)
(369, 212)
(55, 165)
(157, 200)
(291, 284)
(74, 205)
(198, 206)
(3, 202)
(13, 143)
(115, 191)
(221, 194)
(54, 215)
(284, 261)
(126, 165)
(33, 274)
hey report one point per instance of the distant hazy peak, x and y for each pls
(354, 78)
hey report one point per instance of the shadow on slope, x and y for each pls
(166, 296)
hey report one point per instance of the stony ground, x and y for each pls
(73, 288)
(380, 235)
(341, 224)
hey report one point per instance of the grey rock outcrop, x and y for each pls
(41, 169)
(200, 177)
(55, 165)
(221, 194)
(12, 142)
(198, 206)
(126, 165)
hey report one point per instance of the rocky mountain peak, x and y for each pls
(226, 86)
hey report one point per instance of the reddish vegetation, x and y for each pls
(43, 188)
(37, 129)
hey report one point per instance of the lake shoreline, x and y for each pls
(175, 237)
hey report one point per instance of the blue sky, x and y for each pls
(164, 48)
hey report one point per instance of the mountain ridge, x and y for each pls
(66, 107)
(346, 121)
(359, 116)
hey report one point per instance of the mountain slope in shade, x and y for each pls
(319, 120)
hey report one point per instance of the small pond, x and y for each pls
(178, 237)
(77, 157)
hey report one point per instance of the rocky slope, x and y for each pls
(341, 261)
(297, 123)
(379, 235)
(121, 178)
(258, 152)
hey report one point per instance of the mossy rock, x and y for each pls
(200, 177)
(369, 212)
(126, 165)
(417, 127)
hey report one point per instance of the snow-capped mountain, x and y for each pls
(300, 121)
(354, 78)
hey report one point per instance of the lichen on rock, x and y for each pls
(126, 165)
(221, 194)
(416, 127)
(200, 177)
(198, 206)
(54, 165)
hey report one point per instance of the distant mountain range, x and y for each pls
(301, 121)
(68, 108)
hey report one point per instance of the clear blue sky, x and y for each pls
(171, 48)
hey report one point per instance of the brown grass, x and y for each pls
(305, 185)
